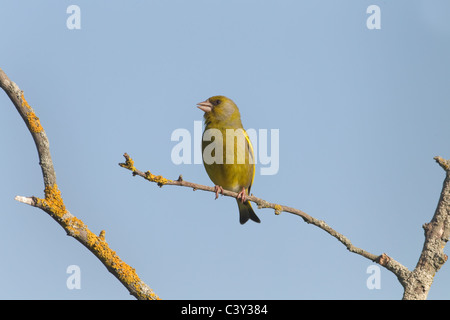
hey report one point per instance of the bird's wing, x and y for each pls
(251, 158)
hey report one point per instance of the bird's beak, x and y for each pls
(206, 106)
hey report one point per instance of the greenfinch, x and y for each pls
(230, 166)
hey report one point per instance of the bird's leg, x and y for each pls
(241, 195)
(218, 189)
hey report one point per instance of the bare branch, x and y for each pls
(26, 200)
(416, 283)
(398, 269)
(53, 203)
(32, 121)
(437, 233)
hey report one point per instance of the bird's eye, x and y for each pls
(217, 102)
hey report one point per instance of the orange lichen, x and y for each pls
(33, 122)
(24, 102)
(129, 163)
(54, 205)
(74, 226)
(53, 201)
(126, 274)
(160, 180)
(278, 209)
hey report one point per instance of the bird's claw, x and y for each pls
(218, 189)
(241, 195)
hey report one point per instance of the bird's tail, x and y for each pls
(246, 212)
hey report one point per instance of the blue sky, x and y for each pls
(361, 113)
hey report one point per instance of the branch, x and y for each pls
(384, 260)
(416, 283)
(437, 233)
(53, 203)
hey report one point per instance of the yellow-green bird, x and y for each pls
(233, 167)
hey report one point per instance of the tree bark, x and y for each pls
(53, 203)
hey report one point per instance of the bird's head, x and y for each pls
(218, 109)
